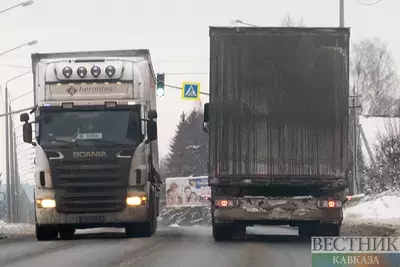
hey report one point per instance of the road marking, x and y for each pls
(143, 253)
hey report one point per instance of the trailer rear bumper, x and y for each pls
(278, 211)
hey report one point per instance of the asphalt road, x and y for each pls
(169, 247)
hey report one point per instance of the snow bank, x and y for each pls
(374, 215)
(8, 230)
(380, 207)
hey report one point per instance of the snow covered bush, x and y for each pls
(386, 174)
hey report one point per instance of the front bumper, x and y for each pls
(129, 215)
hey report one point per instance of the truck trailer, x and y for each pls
(96, 147)
(278, 120)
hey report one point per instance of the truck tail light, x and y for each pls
(329, 203)
(224, 203)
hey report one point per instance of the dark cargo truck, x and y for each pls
(278, 128)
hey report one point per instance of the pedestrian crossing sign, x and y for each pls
(190, 91)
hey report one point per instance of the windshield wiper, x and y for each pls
(63, 141)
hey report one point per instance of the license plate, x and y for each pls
(90, 219)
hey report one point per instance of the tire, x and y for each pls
(46, 233)
(130, 231)
(144, 229)
(222, 232)
(319, 230)
(66, 232)
(330, 230)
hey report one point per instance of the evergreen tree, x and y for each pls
(189, 149)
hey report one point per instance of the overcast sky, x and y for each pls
(175, 31)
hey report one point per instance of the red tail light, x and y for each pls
(224, 203)
(329, 204)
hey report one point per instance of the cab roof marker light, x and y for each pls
(82, 71)
(46, 105)
(131, 103)
(95, 71)
(110, 71)
(67, 72)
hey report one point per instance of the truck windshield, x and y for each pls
(89, 127)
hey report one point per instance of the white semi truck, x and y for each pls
(96, 142)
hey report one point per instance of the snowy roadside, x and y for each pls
(14, 230)
(374, 215)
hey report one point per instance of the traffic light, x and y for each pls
(160, 84)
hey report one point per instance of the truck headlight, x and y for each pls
(136, 201)
(46, 203)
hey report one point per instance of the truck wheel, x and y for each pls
(143, 229)
(305, 231)
(330, 230)
(222, 232)
(131, 231)
(66, 232)
(319, 230)
(46, 233)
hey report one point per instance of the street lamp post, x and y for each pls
(23, 4)
(17, 47)
(9, 134)
(244, 23)
(341, 13)
(16, 183)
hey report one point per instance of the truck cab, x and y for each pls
(95, 142)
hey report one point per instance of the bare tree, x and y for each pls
(374, 77)
(288, 21)
(386, 175)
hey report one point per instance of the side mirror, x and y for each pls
(24, 117)
(27, 133)
(152, 130)
(152, 114)
(206, 117)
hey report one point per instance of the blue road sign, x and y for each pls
(190, 91)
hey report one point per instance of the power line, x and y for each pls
(187, 73)
(369, 4)
(15, 66)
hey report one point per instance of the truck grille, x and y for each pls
(93, 186)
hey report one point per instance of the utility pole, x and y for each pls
(341, 13)
(12, 167)
(8, 173)
(17, 180)
(354, 144)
